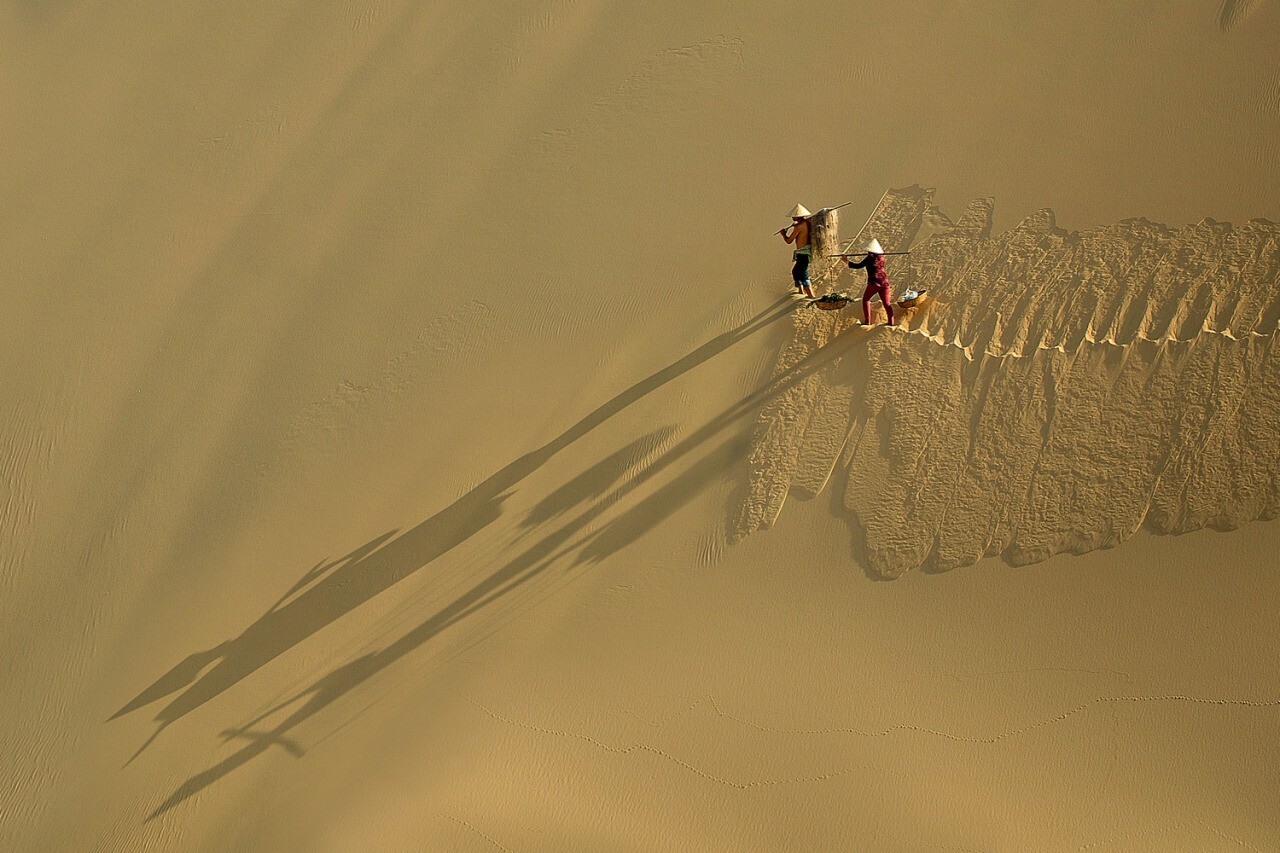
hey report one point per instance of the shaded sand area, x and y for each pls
(1059, 392)
(385, 383)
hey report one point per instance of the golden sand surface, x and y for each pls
(1058, 391)
(409, 442)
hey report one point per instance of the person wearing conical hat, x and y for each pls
(877, 281)
(799, 235)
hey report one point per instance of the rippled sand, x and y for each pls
(1059, 392)
(388, 386)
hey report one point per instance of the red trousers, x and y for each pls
(880, 289)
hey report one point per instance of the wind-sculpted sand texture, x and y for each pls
(380, 378)
(1062, 391)
(1233, 12)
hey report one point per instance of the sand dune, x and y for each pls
(1063, 391)
(389, 384)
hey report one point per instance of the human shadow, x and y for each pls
(331, 590)
(525, 567)
(590, 485)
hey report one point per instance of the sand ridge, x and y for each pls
(1061, 392)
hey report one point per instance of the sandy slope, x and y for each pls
(380, 385)
(1060, 391)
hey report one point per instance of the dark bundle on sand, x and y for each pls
(832, 301)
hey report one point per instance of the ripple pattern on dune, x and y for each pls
(1233, 12)
(1064, 390)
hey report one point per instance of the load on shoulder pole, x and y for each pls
(817, 235)
(802, 212)
(812, 235)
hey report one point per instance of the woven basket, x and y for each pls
(831, 306)
(914, 303)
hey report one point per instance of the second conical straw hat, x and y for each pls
(799, 212)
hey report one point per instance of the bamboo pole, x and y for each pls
(868, 222)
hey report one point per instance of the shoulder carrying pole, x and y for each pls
(821, 212)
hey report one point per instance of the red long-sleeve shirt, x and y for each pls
(874, 265)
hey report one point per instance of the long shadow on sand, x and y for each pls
(333, 589)
(531, 563)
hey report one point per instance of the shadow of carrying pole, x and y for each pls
(329, 591)
(528, 565)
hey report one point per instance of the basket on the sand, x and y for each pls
(831, 303)
(915, 302)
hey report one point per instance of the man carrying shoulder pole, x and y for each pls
(799, 236)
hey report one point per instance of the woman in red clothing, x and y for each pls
(877, 281)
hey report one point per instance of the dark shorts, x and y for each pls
(800, 272)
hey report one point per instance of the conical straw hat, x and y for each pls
(800, 212)
(874, 247)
